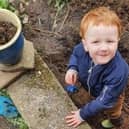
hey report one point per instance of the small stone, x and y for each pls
(25, 19)
(110, 1)
(39, 72)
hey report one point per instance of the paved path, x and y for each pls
(41, 99)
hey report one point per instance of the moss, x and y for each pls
(18, 122)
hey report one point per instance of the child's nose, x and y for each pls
(104, 47)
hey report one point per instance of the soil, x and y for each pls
(55, 35)
(7, 31)
(4, 124)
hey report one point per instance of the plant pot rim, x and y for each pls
(19, 27)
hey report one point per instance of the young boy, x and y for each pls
(100, 68)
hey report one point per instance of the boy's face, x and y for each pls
(101, 42)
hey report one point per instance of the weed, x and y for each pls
(18, 122)
(59, 4)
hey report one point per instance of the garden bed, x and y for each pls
(54, 35)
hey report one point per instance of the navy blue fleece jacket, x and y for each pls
(104, 82)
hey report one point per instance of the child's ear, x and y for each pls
(84, 44)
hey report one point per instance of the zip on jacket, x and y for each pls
(104, 91)
(89, 76)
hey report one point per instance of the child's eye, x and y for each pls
(110, 41)
(95, 42)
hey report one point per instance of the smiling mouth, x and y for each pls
(102, 54)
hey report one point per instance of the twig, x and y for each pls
(47, 31)
(126, 108)
(65, 18)
(55, 20)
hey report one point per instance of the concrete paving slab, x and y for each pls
(7, 78)
(26, 62)
(41, 100)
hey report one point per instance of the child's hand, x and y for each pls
(74, 119)
(71, 77)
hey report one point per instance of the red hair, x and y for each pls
(101, 15)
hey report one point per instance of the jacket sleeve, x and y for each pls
(107, 98)
(73, 62)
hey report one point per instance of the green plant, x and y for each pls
(18, 122)
(6, 5)
(3, 92)
(59, 4)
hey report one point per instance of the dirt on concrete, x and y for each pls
(54, 35)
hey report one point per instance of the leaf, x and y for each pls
(4, 4)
